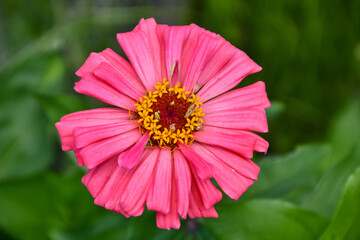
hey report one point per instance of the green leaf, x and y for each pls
(345, 130)
(25, 133)
(25, 136)
(30, 206)
(345, 224)
(52, 206)
(291, 176)
(40, 73)
(109, 226)
(266, 219)
(327, 193)
(56, 106)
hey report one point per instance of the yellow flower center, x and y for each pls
(170, 114)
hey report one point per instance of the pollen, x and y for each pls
(170, 115)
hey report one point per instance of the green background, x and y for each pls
(309, 184)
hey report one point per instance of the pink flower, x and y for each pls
(175, 125)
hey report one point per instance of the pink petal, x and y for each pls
(196, 206)
(241, 144)
(219, 58)
(113, 189)
(84, 136)
(171, 219)
(174, 40)
(92, 86)
(261, 145)
(92, 117)
(159, 194)
(243, 166)
(160, 32)
(227, 78)
(117, 62)
(230, 181)
(98, 113)
(112, 182)
(133, 198)
(143, 56)
(78, 158)
(253, 119)
(204, 48)
(95, 178)
(250, 96)
(129, 158)
(183, 182)
(118, 81)
(106, 183)
(90, 64)
(202, 168)
(155, 34)
(189, 48)
(116, 187)
(209, 194)
(97, 152)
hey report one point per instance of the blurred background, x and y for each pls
(309, 184)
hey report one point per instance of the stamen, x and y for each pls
(199, 124)
(157, 115)
(172, 69)
(190, 110)
(172, 127)
(196, 88)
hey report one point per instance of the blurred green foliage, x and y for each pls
(310, 54)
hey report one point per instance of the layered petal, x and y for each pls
(108, 56)
(253, 119)
(159, 195)
(92, 117)
(243, 166)
(222, 54)
(155, 35)
(95, 87)
(85, 135)
(95, 178)
(205, 45)
(183, 182)
(113, 188)
(99, 151)
(261, 145)
(114, 78)
(129, 158)
(97, 113)
(171, 219)
(202, 168)
(230, 181)
(189, 48)
(196, 206)
(251, 96)
(239, 66)
(241, 144)
(143, 49)
(132, 200)
(174, 41)
(107, 182)
(209, 194)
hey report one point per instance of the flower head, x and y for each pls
(174, 126)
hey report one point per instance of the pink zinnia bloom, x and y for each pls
(174, 126)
